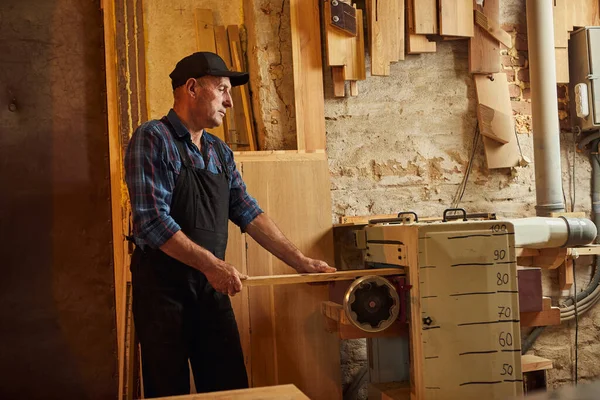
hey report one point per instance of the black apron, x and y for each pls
(177, 313)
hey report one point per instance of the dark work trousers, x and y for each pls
(177, 313)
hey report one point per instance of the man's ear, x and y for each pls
(190, 87)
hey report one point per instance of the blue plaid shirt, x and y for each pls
(152, 165)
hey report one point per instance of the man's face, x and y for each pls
(213, 97)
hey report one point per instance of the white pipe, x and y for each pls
(546, 129)
(541, 233)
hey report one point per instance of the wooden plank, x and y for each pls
(289, 340)
(561, 32)
(495, 124)
(416, 44)
(493, 29)
(494, 94)
(357, 70)
(287, 392)
(585, 13)
(565, 275)
(550, 258)
(353, 88)
(392, 30)
(205, 34)
(339, 83)
(308, 74)
(534, 363)
(562, 65)
(336, 41)
(245, 125)
(205, 41)
(456, 18)
(380, 63)
(236, 256)
(222, 49)
(569, 16)
(288, 279)
(542, 318)
(401, 29)
(484, 51)
(425, 17)
(115, 152)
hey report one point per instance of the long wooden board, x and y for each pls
(456, 18)
(585, 13)
(308, 74)
(561, 33)
(380, 61)
(288, 338)
(205, 41)
(484, 50)
(288, 279)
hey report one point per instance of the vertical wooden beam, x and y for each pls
(484, 50)
(115, 164)
(308, 74)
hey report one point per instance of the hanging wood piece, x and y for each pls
(493, 28)
(425, 17)
(343, 17)
(484, 50)
(495, 124)
(492, 91)
(416, 44)
(456, 18)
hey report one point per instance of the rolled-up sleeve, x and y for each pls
(243, 208)
(150, 190)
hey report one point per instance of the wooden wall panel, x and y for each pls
(57, 299)
(289, 343)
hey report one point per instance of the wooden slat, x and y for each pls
(546, 303)
(542, 318)
(205, 41)
(392, 30)
(456, 18)
(561, 33)
(562, 65)
(565, 275)
(585, 13)
(236, 256)
(339, 83)
(380, 63)
(495, 124)
(494, 94)
(357, 70)
(308, 74)
(534, 363)
(222, 49)
(425, 17)
(416, 44)
(289, 341)
(484, 50)
(245, 126)
(287, 392)
(402, 29)
(288, 279)
(493, 29)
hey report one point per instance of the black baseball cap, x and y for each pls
(201, 64)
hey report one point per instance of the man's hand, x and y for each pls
(310, 265)
(224, 278)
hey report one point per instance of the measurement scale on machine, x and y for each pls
(470, 311)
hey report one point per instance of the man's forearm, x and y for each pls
(183, 249)
(268, 235)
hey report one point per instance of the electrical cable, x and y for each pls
(463, 185)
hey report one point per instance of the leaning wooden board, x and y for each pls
(288, 341)
(493, 93)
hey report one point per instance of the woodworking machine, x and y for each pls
(455, 294)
